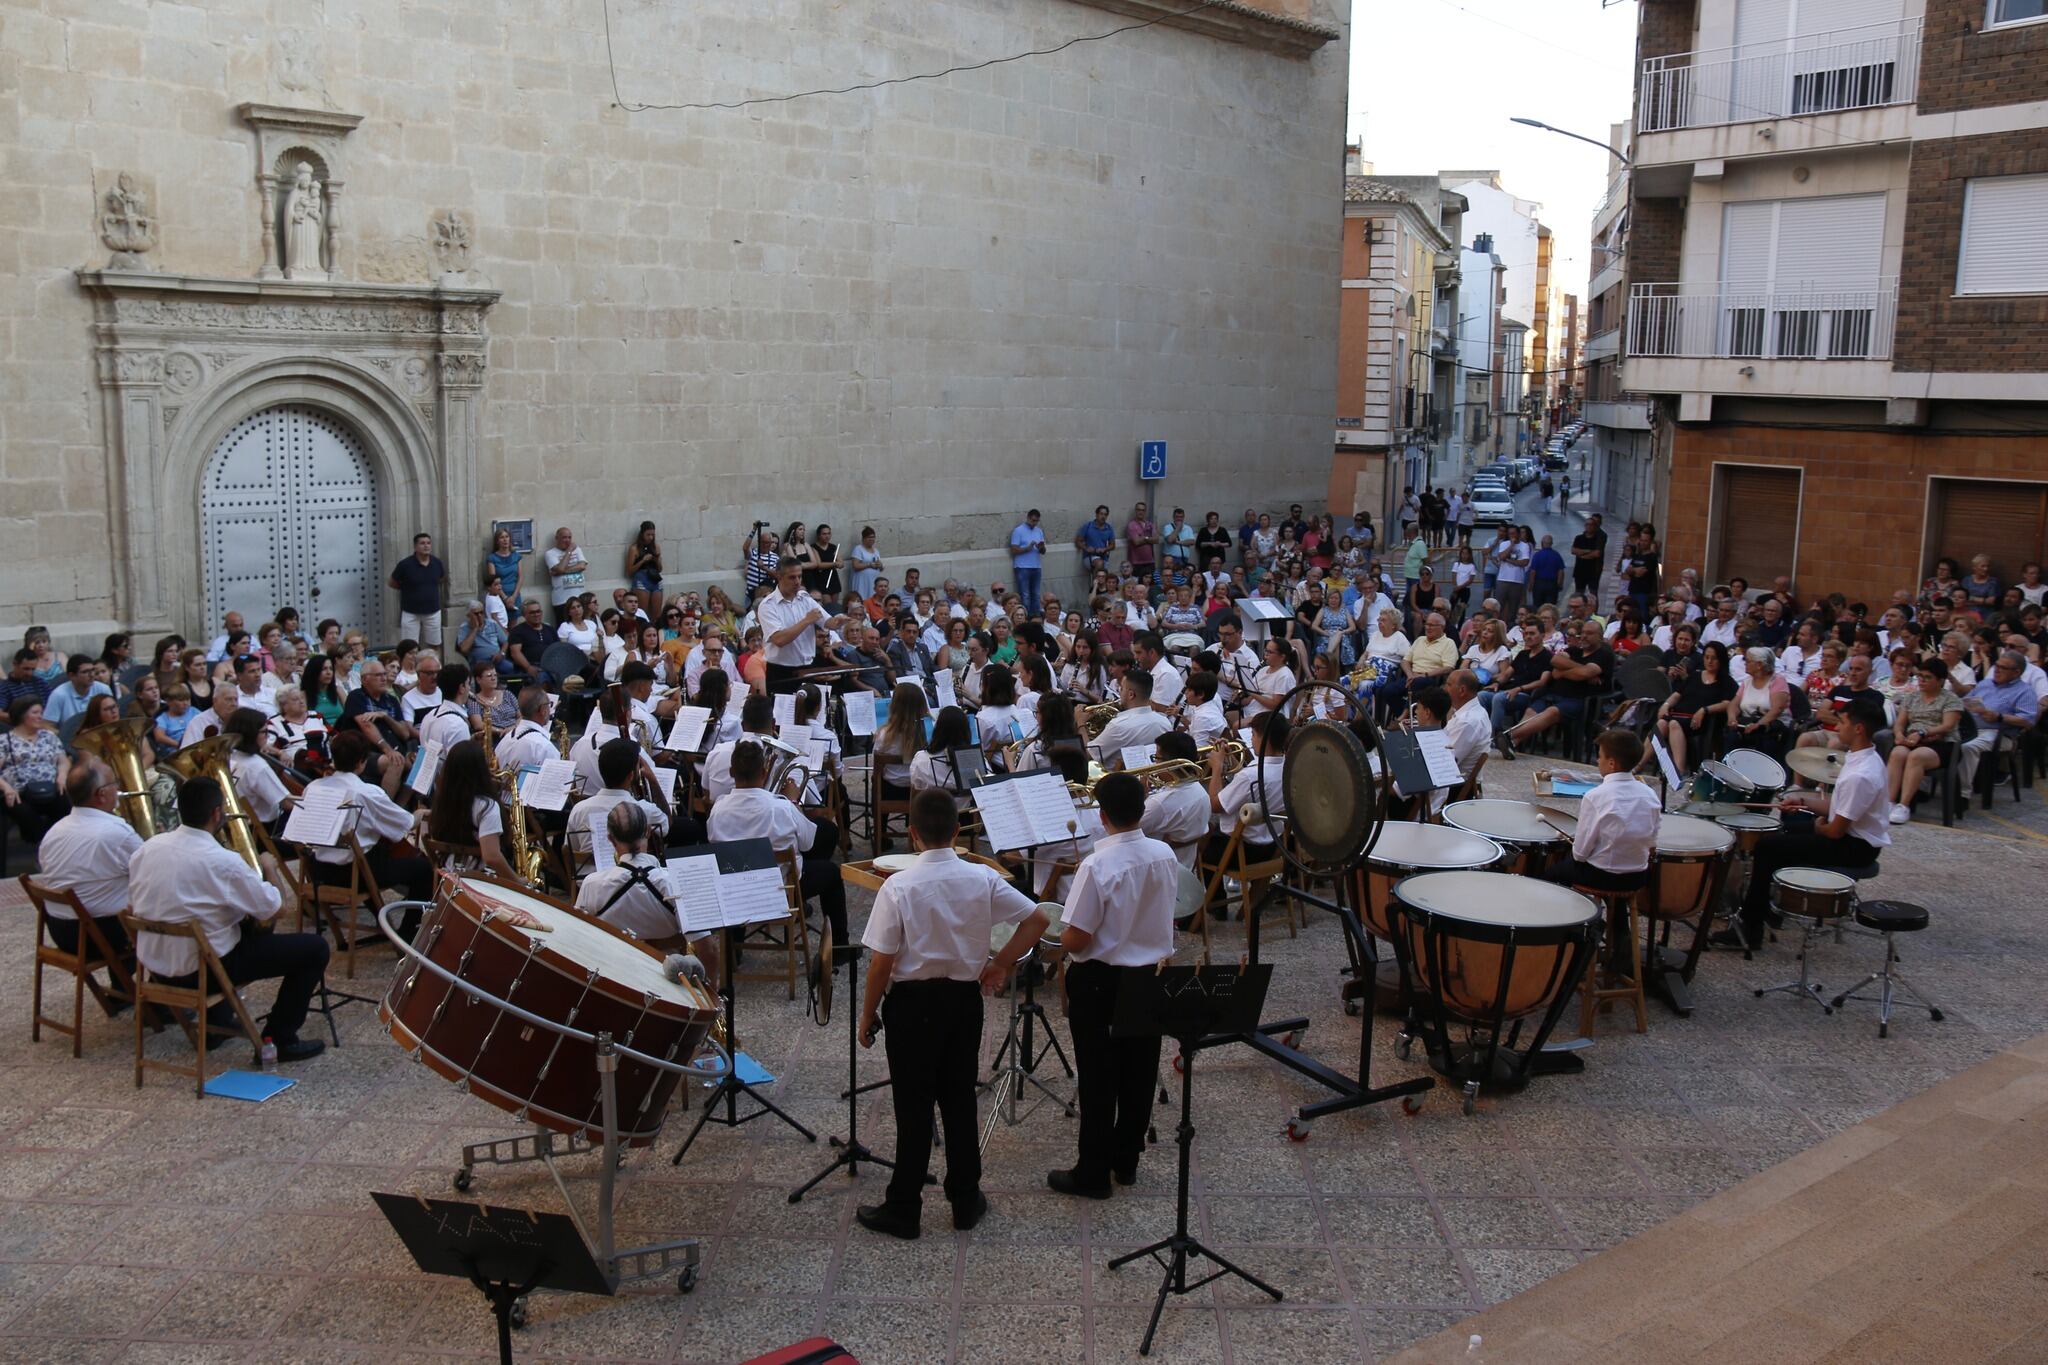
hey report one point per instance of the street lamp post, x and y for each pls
(1561, 132)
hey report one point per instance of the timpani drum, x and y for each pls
(1813, 893)
(543, 957)
(1488, 952)
(1518, 826)
(1687, 873)
(1710, 810)
(1406, 847)
(1749, 828)
(1763, 772)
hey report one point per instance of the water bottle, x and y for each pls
(267, 1057)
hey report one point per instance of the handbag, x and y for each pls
(42, 791)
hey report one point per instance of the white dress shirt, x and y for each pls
(1859, 797)
(1720, 632)
(1167, 684)
(587, 818)
(448, 722)
(757, 813)
(1128, 728)
(930, 769)
(1206, 722)
(639, 912)
(583, 753)
(1243, 790)
(1240, 666)
(526, 746)
(375, 815)
(258, 784)
(935, 917)
(1270, 686)
(1124, 894)
(1469, 732)
(714, 774)
(185, 875)
(777, 614)
(1617, 825)
(1178, 815)
(87, 853)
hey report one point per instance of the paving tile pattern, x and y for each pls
(142, 1225)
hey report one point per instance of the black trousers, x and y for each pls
(932, 1033)
(411, 876)
(1117, 1075)
(298, 961)
(65, 934)
(783, 678)
(1794, 848)
(1572, 872)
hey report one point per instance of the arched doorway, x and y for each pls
(288, 516)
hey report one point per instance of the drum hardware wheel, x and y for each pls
(519, 1314)
(1293, 1037)
(1404, 1045)
(687, 1281)
(1298, 1130)
(464, 1178)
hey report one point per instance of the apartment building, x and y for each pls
(1836, 258)
(1621, 469)
(1399, 278)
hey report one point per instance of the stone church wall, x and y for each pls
(923, 308)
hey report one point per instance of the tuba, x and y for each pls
(525, 859)
(118, 744)
(209, 758)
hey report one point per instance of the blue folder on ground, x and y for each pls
(751, 1071)
(1565, 786)
(253, 1086)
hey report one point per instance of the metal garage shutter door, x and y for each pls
(1757, 512)
(2003, 520)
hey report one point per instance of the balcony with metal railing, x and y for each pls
(1803, 341)
(1859, 68)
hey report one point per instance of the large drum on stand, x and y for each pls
(1686, 876)
(539, 955)
(1528, 832)
(1489, 953)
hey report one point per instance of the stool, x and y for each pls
(1617, 972)
(1890, 918)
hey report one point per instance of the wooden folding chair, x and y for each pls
(454, 857)
(879, 810)
(93, 953)
(786, 937)
(1236, 863)
(339, 906)
(212, 987)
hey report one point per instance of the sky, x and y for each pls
(1434, 83)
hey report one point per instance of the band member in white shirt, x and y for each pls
(1239, 663)
(382, 830)
(186, 875)
(1178, 816)
(527, 744)
(1167, 683)
(1203, 715)
(1119, 919)
(1137, 723)
(1469, 729)
(1258, 780)
(751, 811)
(617, 763)
(635, 894)
(448, 719)
(788, 618)
(1273, 681)
(1618, 820)
(256, 782)
(87, 853)
(930, 933)
(757, 718)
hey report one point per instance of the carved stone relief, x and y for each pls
(127, 226)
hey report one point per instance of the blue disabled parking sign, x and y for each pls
(1152, 460)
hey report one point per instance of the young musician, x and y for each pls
(929, 933)
(634, 894)
(1853, 823)
(1178, 816)
(751, 811)
(466, 810)
(1617, 833)
(1119, 920)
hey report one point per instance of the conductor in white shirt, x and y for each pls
(1617, 834)
(186, 875)
(929, 933)
(788, 618)
(1119, 920)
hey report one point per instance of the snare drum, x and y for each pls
(1716, 782)
(575, 970)
(1763, 772)
(1709, 810)
(1813, 893)
(1406, 847)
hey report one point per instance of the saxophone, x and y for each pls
(525, 859)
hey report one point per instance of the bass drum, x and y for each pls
(549, 960)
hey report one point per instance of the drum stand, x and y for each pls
(730, 1087)
(852, 1152)
(1025, 1056)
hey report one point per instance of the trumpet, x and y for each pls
(118, 744)
(209, 758)
(526, 859)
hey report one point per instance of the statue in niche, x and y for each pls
(126, 225)
(305, 227)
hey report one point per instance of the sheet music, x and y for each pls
(735, 704)
(317, 818)
(426, 766)
(1089, 820)
(1671, 777)
(752, 896)
(1251, 741)
(860, 713)
(1047, 807)
(1436, 752)
(816, 750)
(785, 710)
(1137, 756)
(601, 856)
(695, 880)
(1262, 609)
(687, 734)
(665, 779)
(1002, 816)
(548, 789)
(942, 684)
(1025, 725)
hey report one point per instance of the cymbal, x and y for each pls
(1821, 765)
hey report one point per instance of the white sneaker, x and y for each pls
(1901, 815)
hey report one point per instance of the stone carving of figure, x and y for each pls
(451, 243)
(305, 218)
(126, 226)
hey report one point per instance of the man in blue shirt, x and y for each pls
(1027, 558)
(69, 697)
(1546, 574)
(1096, 541)
(2002, 704)
(482, 640)
(23, 682)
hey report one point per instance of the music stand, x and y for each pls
(1188, 1004)
(325, 999)
(852, 1151)
(505, 1253)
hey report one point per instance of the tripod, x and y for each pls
(1181, 1246)
(851, 1150)
(1025, 1054)
(730, 1087)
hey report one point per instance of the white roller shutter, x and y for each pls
(1747, 233)
(1832, 243)
(1816, 19)
(1762, 21)
(2005, 236)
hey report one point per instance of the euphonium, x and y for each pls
(118, 744)
(209, 758)
(1093, 719)
(1235, 755)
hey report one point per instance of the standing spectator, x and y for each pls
(503, 561)
(1027, 557)
(1142, 539)
(821, 574)
(420, 581)
(1411, 512)
(643, 567)
(1246, 529)
(565, 565)
(760, 553)
(1546, 574)
(1417, 558)
(1212, 542)
(1454, 512)
(1513, 570)
(1295, 522)
(1642, 571)
(1589, 553)
(1177, 544)
(1096, 540)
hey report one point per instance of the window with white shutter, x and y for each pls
(2005, 236)
(1799, 277)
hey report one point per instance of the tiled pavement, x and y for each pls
(146, 1226)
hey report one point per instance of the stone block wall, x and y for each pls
(923, 307)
